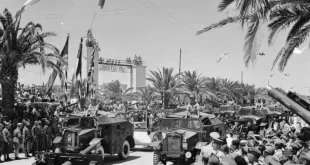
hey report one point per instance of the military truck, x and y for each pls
(180, 139)
(85, 140)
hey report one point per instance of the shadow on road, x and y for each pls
(110, 160)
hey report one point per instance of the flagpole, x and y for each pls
(92, 22)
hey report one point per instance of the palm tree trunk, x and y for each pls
(163, 100)
(8, 97)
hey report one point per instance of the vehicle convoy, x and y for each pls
(180, 139)
(85, 140)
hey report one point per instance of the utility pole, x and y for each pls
(242, 77)
(180, 60)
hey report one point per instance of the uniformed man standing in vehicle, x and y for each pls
(7, 141)
(17, 134)
(26, 139)
(193, 108)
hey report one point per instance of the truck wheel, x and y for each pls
(100, 150)
(156, 158)
(197, 158)
(125, 151)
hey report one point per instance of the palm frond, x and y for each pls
(252, 41)
(224, 22)
(286, 52)
(224, 4)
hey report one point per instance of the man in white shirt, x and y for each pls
(213, 148)
(119, 108)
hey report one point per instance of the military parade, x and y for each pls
(103, 107)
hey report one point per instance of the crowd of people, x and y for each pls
(36, 122)
(278, 147)
(34, 127)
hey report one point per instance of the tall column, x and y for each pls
(138, 76)
(89, 54)
(91, 44)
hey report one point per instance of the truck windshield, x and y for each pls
(173, 124)
(72, 123)
(87, 123)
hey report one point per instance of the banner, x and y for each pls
(114, 68)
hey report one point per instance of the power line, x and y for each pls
(158, 15)
(170, 15)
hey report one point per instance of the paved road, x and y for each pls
(135, 158)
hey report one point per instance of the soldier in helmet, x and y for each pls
(17, 134)
(48, 135)
(40, 136)
(35, 137)
(26, 139)
(7, 141)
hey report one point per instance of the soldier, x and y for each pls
(17, 134)
(7, 141)
(40, 136)
(35, 137)
(26, 139)
(193, 108)
(1, 141)
(48, 136)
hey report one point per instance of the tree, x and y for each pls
(196, 84)
(20, 47)
(165, 82)
(193, 82)
(115, 91)
(147, 94)
(276, 15)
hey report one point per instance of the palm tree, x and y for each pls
(193, 82)
(276, 15)
(147, 94)
(20, 47)
(115, 91)
(215, 85)
(165, 82)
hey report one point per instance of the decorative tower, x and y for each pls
(91, 44)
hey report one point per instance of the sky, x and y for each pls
(156, 30)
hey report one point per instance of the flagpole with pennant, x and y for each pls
(78, 73)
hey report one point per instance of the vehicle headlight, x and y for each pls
(69, 138)
(188, 155)
(185, 146)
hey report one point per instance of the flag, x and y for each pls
(51, 79)
(78, 68)
(78, 72)
(30, 2)
(101, 3)
(25, 5)
(90, 77)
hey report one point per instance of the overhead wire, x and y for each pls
(158, 15)
(170, 15)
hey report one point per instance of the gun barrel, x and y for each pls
(91, 147)
(67, 163)
(289, 103)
